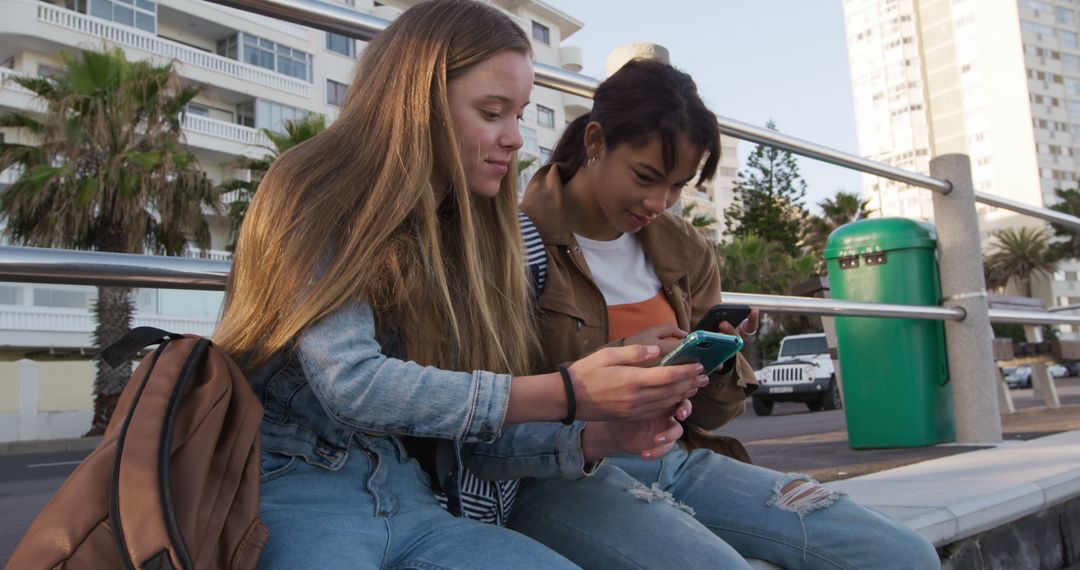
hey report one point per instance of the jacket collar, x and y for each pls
(670, 243)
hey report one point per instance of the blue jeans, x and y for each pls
(703, 510)
(377, 511)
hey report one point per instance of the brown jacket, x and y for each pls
(574, 314)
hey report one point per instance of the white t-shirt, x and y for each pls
(620, 269)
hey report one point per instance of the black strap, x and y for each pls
(571, 402)
(132, 342)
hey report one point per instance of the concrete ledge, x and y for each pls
(49, 445)
(956, 497)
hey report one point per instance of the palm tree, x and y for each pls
(296, 132)
(702, 222)
(843, 208)
(749, 264)
(1017, 256)
(106, 170)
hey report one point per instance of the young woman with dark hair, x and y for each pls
(622, 269)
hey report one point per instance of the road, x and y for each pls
(27, 481)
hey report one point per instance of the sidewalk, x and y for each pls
(1024, 493)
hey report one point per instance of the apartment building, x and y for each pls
(996, 80)
(255, 72)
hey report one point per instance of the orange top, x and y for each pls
(631, 318)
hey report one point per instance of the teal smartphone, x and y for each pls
(711, 349)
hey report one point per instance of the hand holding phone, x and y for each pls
(723, 313)
(711, 349)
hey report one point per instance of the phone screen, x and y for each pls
(711, 349)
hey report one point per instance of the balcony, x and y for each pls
(226, 137)
(23, 16)
(45, 327)
(202, 132)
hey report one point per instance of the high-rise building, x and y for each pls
(996, 80)
(254, 72)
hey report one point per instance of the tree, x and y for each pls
(702, 222)
(1017, 256)
(106, 169)
(1069, 203)
(843, 208)
(296, 132)
(768, 199)
(752, 265)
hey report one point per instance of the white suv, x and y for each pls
(803, 372)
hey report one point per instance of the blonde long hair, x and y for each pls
(351, 214)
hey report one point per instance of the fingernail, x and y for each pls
(647, 455)
(652, 350)
(662, 439)
(702, 380)
(699, 369)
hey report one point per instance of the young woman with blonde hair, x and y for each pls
(623, 269)
(378, 277)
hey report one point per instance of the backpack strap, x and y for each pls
(132, 342)
(141, 511)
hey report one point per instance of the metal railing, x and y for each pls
(968, 311)
(68, 267)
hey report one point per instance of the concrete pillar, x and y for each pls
(1043, 385)
(28, 400)
(1005, 402)
(969, 342)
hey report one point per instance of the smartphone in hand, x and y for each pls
(724, 312)
(711, 349)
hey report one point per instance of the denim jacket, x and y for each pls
(336, 383)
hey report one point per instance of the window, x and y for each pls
(545, 116)
(541, 33)
(140, 14)
(263, 114)
(1068, 39)
(1072, 86)
(1063, 15)
(1070, 62)
(10, 295)
(530, 145)
(335, 92)
(197, 110)
(545, 155)
(341, 44)
(267, 54)
(63, 298)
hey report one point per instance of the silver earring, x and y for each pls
(590, 162)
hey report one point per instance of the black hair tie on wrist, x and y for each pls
(571, 402)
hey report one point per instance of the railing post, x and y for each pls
(969, 342)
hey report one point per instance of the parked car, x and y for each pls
(1020, 376)
(1017, 376)
(803, 372)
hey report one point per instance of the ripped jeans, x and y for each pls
(703, 510)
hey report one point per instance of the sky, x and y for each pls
(752, 60)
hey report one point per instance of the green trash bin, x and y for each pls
(895, 373)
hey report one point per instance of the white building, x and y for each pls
(997, 80)
(255, 72)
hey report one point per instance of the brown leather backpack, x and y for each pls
(175, 481)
